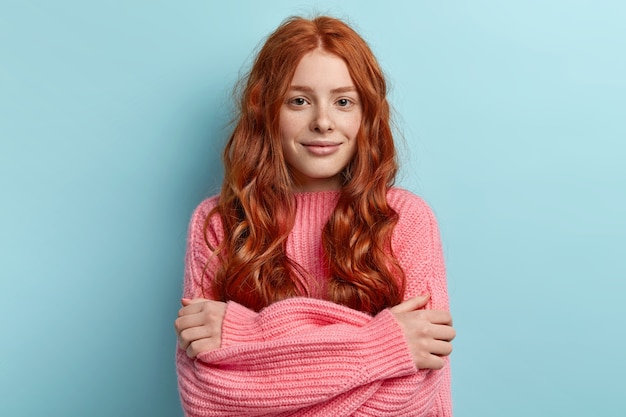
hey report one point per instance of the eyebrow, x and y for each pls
(333, 91)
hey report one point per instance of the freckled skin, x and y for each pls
(319, 121)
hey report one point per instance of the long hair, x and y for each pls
(257, 205)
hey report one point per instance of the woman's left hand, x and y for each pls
(199, 325)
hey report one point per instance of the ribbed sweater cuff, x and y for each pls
(240, 325)
(387, 348)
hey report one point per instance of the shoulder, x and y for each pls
(408, 205)
(203, 209)
(416, 221)
(198, 221)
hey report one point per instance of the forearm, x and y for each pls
(216, 390)
(299, 362)
(313, 358)
(426, 393)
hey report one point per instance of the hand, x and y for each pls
(428, 332)
(199, 325)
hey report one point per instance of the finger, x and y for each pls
(442, 332)
(437, 316)
(187, 321)
(188, 336)
(411, 304)
(189, 301)
(202, 345)
(440, 348)
(432, 362)
(193, 307)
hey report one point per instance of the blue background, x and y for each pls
(112, 118)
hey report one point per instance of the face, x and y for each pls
(319, 121)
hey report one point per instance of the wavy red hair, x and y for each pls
(257, 205)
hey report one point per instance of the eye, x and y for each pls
(298, 101)
(344, 102)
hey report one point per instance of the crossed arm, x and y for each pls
(306, 357)
(428, 332)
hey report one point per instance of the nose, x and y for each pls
(322, 121)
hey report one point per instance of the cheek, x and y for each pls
(288, 126)
(355, 125)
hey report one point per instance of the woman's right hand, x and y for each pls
(428, 332)
(199, 325)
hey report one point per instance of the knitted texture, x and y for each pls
(308, 356)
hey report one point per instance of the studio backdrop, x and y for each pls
(510, 123)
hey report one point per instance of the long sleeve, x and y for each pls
(309, 357)
(295, 354)
(417, 246)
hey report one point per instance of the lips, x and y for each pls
(321, 148)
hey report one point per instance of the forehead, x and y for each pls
(322, 70)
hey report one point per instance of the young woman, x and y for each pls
(313, 287)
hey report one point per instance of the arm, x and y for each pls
(296, 354)
(307, 355)
(417, 246)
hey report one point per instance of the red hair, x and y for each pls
(257, 205)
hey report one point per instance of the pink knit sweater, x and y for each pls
(311, 357)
